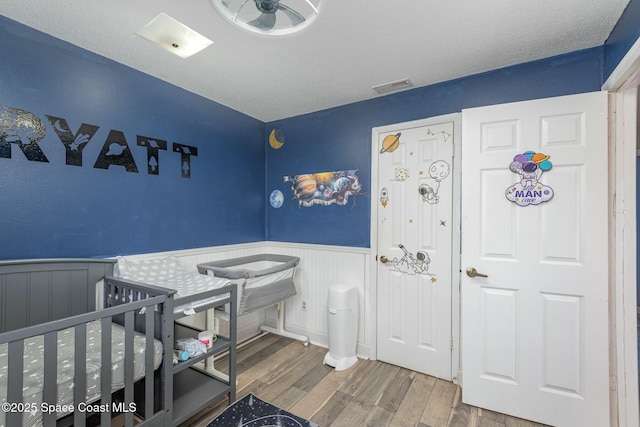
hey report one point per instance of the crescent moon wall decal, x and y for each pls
(58, 126)
(276, 139)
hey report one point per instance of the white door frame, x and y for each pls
(623, 115)
(455, 259)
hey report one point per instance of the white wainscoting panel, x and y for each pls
(320, 267)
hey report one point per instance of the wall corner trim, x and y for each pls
(624, 69)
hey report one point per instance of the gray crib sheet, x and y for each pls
(33, 377)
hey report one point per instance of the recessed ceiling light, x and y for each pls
(174, 36)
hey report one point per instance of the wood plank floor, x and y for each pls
(372, 393)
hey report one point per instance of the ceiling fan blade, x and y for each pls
(295, 17)
(266, 21)
(242, 5)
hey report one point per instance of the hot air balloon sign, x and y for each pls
(529, 190)
(324, 188)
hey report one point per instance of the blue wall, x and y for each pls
(52, 209)
(622, 37)
(340, 138)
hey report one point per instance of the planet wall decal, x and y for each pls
(390, 143)
(276, 198)
(276, 139)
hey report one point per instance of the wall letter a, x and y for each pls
(115, 151)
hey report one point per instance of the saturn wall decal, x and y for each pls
(390, 143)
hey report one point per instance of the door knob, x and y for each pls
(384, 259)
(472, 272)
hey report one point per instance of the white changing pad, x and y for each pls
(33, 376)
(168, 273)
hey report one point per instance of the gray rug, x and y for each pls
(250, 411)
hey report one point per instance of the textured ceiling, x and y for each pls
(352, 46)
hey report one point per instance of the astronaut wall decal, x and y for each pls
(429, 187)
(410, 264)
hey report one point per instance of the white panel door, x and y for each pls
(414, 197)
(534, 220)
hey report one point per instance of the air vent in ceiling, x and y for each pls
(393, 86)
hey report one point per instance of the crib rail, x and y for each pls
(126, 304)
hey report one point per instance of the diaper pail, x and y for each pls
(342, 306)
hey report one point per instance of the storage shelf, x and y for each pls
(194, 390)
(184, 331)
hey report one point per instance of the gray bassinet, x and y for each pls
(267, 279)
(263, 280)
